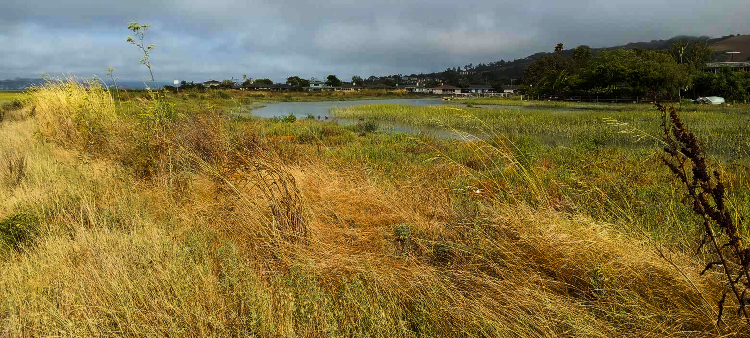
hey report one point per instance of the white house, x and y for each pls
(446, 89)
(510, 90)
(348, 87)
(479, 89)
(211, 83)
(318, 85)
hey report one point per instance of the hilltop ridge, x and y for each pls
(503, 71)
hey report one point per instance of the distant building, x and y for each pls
(479, 89)
(415, 88)
(258, 86)
(282, 87)
(734, 66)
(279, 87)
(316, 85)
(379, 86)
(347, 87)
(212, 83)
(445, 89)
(510, 90)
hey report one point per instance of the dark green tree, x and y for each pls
(333, 81)
(693, 53)
(581, 56)
(451, 77)
(264, 81)
(551, 74)
(645, 73)
(730, 85)
(559, 48)
(357, 80)
(297, 82)
(498, 87)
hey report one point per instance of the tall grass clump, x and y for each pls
(77, 114)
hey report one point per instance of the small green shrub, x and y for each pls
(224, 95)
(289, 118)
(286, 119)
(402, 234)
(10, 106)
(370, 127)
(442, 254)
(18, 230)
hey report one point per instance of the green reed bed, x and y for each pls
(725, 132)
(516, 101)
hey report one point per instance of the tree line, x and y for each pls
(679, 71)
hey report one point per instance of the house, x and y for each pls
(316, 85)
(212, 83)
(510, 90)
(734, 66)
(418, 88)
(410, 88)
(479, 89)
(258, 86)
(348, 87)
(446, 89)
(379, 86)
(282, 87)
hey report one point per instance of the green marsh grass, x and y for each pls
(8, 96)
(516, 101)
(725, 132)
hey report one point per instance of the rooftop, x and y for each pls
(446, 87)
(727, 64)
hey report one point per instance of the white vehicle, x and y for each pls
(710, 100)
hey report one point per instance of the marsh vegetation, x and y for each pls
(175, 214)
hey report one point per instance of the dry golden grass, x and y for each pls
(206, 251)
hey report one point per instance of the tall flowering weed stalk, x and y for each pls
(685, 157)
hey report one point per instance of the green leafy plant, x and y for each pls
(402, 233)
(140, 35)
(17, 230)
(286, 119)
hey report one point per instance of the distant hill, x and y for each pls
(21, 83)
(505, 70)
(739, 43)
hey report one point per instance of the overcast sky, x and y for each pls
(200, 40)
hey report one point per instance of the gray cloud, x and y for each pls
(197, 40)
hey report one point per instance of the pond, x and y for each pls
(321, 110)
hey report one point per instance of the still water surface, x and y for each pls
(322, 111)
